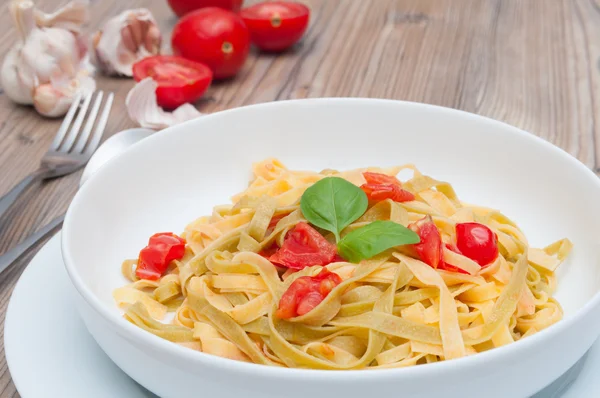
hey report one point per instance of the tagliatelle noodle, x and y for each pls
(389, 311)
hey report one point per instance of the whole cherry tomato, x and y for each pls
(276, 25)
(179, 80)
(477, 242)
(154, 259)
(306, 292)
(431, 248)
(304, 247)
(215, 37)
(182, 7)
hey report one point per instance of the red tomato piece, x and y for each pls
(477, 242)
(431, 248)
(381, 187)
(305, 293)
(179, 80)
(276, 25)
(214, 36)
(154, 259)
(379, 192)
(304, 247)
(378, 178)
(182, 7)
(269, 251)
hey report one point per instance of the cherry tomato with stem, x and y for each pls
(182, 7)
(179, 80)
(276, 25)
(216, 37)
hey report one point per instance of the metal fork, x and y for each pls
(71, 148)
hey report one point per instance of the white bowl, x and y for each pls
(182, 172)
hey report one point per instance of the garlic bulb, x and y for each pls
(124, 40)
(49, 63)
(143, 108)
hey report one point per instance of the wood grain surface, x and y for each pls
(532, 64)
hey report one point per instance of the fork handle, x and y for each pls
(11, 196)
(8, 258)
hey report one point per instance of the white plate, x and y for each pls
(51, 354)
(48, 349)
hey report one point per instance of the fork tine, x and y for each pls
(60, 134)
(85, 134)
(97, 136)
(74, 132)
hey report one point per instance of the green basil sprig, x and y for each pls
(334, 203)
(374, 238)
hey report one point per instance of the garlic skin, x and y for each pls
(143, 108)
(124, 40)
(49, 63)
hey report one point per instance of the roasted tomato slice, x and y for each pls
(430, 249)
(304, 247)
(179, 80)
(305, 293)
(381, 187)
(154, 259)
(477, 242)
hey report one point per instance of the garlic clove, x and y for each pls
(124, 40)
(70, 17)
(18, 85)
(54, 100)
(143, 108)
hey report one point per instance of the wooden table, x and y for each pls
(533, 64)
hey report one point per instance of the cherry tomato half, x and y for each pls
(179, 80)
(182, 7)
(305, 293)
(431, 248)
(154, 259)
(216, 37)
(304, 247)
(276, 25)
(477, 242)
(381, 187)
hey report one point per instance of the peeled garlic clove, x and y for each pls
(124, 40)
(143, 108)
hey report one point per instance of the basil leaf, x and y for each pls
(333, 203)
(374, 238)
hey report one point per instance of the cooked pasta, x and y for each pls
(399, 307)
